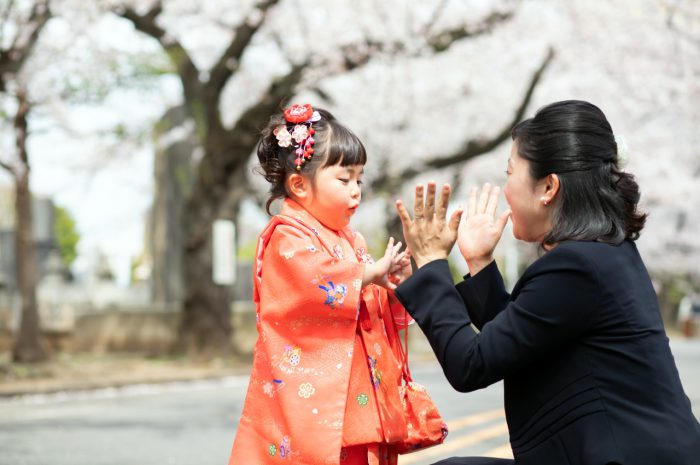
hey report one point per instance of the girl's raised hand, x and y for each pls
(378, 272)
(401, 268)
(480, 229)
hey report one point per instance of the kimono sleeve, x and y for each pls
(304, 280)
(402, 318)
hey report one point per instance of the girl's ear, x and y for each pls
(298, 186)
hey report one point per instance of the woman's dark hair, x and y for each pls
(597, 201)
(335, 144)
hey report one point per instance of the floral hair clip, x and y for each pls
(300, 116)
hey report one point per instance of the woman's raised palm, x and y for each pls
(480, 229)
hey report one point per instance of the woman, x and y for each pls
(588, 374)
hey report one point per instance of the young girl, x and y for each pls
(324, 387)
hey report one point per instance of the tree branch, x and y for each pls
(229, 61)
(228, 151)
(252, 121)
(444, 40)
(147, 23)
(9, 168)
(5, 19)
(359, 54)
(434, 17)
(472, 148)
(477, 147)
(13, 58)
(20, 124)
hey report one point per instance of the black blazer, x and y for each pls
(589, 378)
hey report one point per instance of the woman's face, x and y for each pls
(529, 214)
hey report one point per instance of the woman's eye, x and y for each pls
(507, 172)
(359, 182)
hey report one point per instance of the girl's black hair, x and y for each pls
(335, 144)
(597, 201)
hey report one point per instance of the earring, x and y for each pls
(544, 200)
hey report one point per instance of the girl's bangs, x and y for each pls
(346, 149)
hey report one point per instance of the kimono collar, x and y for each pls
(292, 209)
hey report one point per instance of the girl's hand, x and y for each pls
(480, 230)
(428, 234)
(378, 272)
(401, 270)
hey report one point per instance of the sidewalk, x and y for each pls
(76, 372)
(80, 372)
(86, 372)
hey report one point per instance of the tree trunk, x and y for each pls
(205, 328)
(28, 345)
(174, 175)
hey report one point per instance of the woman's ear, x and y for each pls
(551, 188)
(297, 186)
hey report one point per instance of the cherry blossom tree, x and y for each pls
(20, 29)
(271, 51)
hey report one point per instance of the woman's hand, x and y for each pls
(379, 271)
(428, 235)
(480, 230)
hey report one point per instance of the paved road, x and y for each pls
(194, 423)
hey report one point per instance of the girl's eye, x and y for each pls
(344, 181)
(359, 182)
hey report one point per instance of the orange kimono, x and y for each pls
(324, 387)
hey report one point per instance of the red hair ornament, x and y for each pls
(302, 117)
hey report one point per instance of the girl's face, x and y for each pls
(524, 195)
(334, 195)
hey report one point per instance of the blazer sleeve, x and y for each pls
(484, 294)
(556, 304)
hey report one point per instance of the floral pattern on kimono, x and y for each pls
(312, 392)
